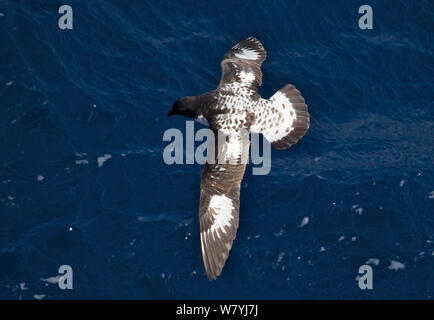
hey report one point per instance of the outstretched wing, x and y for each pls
(241, 66)
(220, 199)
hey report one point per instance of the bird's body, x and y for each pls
(225, 110)
(232, 111)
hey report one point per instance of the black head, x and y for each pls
(185, 106)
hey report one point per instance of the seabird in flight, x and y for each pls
(232, 111)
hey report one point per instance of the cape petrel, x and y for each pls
(232, 111)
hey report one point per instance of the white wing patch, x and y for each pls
(222, 207)
(248, 54)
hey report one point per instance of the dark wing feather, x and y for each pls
(241, 66)
(219, 201)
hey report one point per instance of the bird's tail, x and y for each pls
(285, 119)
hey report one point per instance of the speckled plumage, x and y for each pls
(232, 111)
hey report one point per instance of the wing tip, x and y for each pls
(253, 44)
(215, 256)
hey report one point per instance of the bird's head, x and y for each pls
(185, 106)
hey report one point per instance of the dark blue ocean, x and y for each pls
(83, 181)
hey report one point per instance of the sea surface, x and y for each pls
(82, 177)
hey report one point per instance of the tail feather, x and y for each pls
(285, 118)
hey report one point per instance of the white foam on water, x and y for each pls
(78, 154)
(40, 178)
(281, 255)
(304, 222)
(52, 280)
(396, 265)
(83, 161)
(280, 233)
(373, 261)
(357, 208)
(103, 159)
